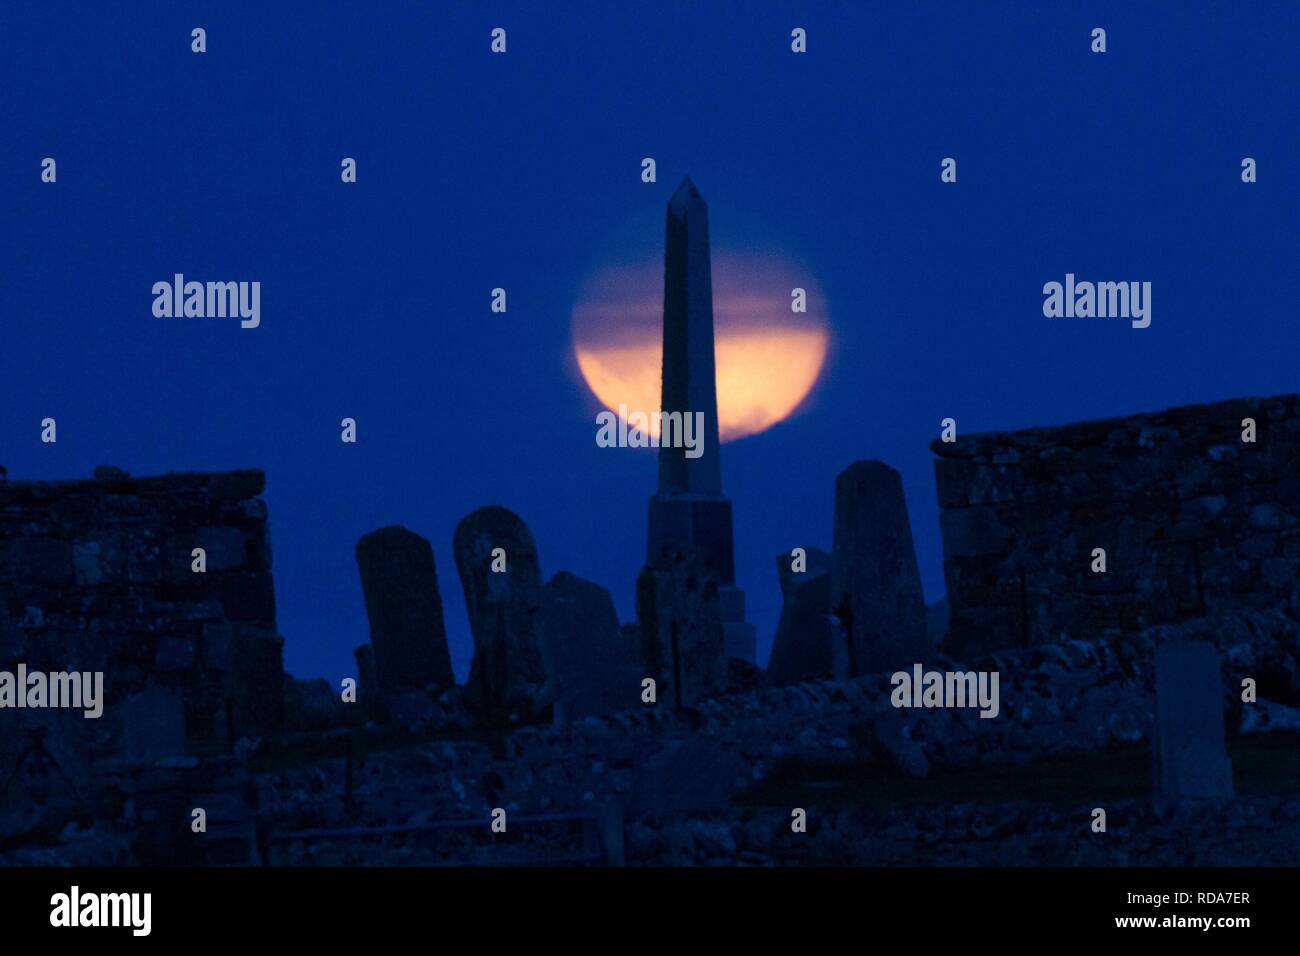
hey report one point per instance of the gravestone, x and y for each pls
(503, 608)
(153, 725)
(591, 665)
(875, 581)
(802, 649)
(1190, 757)
(407, 634)
(680, 619)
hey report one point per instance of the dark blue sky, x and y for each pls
(522, 171)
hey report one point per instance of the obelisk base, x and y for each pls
(739, 638)
(698, 523)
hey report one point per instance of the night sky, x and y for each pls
(523, 171)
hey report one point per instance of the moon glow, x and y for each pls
(767, 356)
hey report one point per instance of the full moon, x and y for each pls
(768, 356)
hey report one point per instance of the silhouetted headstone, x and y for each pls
(590, 665)
(153, 725)
(405, 611)
(502, 605)
(802, 649)
(1190, 756)
(875, 582)
(681, 630)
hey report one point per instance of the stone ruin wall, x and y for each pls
(1194, 521)
(96, 576)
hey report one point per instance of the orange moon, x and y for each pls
(767, 356)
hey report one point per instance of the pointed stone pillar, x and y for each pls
(689, 514)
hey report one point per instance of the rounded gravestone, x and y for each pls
(496, 559)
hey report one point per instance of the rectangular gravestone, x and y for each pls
(592, 666)
(153, 725)
(1189, 754)
(875, 580)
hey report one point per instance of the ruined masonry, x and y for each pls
(1193, 519)
(96, 576)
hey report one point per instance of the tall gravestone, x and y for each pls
(875, 582)
(499, 572)
(802, 649)
(680, 619)
(689, 513)
(407, 634)
(592, 667)
(1190, 755)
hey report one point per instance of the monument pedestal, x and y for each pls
(739, 638)
(701, 524)
(697, 523)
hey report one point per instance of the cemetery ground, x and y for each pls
(1264, 765)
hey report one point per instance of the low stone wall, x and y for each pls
(1055, 701)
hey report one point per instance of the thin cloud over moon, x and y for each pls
(768, 357)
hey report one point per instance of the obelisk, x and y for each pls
(689, 513)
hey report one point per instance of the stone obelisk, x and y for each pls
(689, 513)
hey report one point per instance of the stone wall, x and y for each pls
(97, 576)
(1194, 520)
